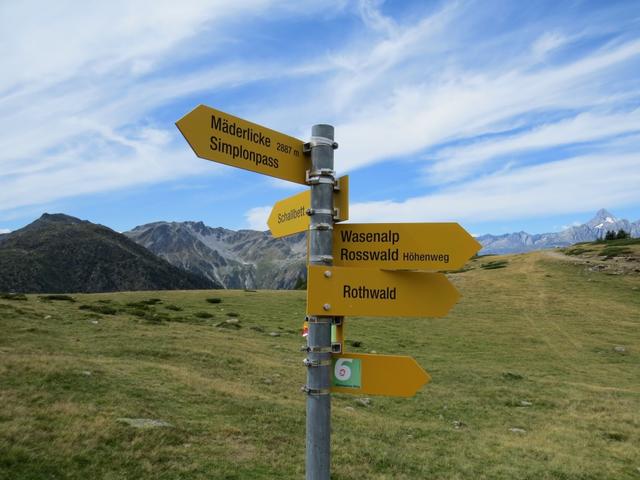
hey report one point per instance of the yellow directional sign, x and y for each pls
(378, 293)
(391, 375)
(218, 136)
(289, 216)
(420, 246)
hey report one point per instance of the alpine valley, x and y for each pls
(88, 257)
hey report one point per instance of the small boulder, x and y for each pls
(144, 422)
(459, 424)
(519, 431)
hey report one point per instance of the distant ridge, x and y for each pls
(59, 253)
(594, 229)
(235, 259)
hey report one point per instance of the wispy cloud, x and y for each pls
(257, 218)
(463, 96)
(79, 113)
(580, 184)
(460, 162)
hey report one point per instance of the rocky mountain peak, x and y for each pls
(602, 219)
(594, 229)
(60, 218)
(60, 253)
(236, 259)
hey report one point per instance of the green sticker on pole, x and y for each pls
(347, 372)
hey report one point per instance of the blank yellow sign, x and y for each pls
(390, 375)
(223, 138)
(289, 216)
(419, 246)
(372, 292)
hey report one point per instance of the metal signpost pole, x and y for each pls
(318, 361)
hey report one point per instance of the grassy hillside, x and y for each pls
(540, 343)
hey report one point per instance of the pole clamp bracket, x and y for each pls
(316, 363)
(323, 175)
(319, 320)
(322, 211)
(318, 141)
(321, 226)
(315, 349)
(321, 258)
(315, 391)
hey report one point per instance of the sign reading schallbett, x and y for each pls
(223, 138)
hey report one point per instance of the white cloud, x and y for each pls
(114, 162)
(575, 185)
(373, 18)
(4, 230)
(546, 43)
(257, 218)
(419, 116)
(460, 162)
(79, 113)
(78, 83)
(575, 223)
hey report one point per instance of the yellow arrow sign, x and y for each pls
(289, 216)
(391, 375)
(378, 293)
(421, 246)
(218, 136)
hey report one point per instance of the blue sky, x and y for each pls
(500, 115)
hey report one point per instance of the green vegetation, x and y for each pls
(103, 309)
(619, 235)
(493, 265)
(614, 251)
(624, 242)
(577, 251)
(535, 376)
(13, 296)
(59, 298)
(214, 300)
(174, 308)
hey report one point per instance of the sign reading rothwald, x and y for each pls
(378, 293)
(289, 216)
(218, 136)
(391, 375)
(419, 246)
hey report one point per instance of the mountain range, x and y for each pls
(62, 254)
(236, 259)
(253, 259)
(59, 253)
(594, 229)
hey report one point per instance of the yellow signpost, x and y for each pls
(218, 136)
(378, 293)
(369, 276)
(419, 246)
(391, 375)
(289, 216)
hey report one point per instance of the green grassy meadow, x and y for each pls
(536, 375)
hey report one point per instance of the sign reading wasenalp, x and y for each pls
(289, 216)
(372, 292)
(391, 375)
(419, 246)
(218, 136)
